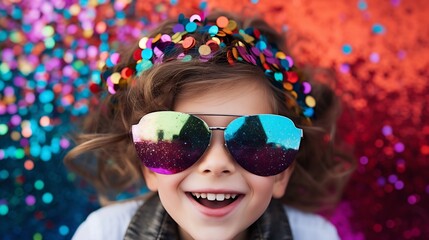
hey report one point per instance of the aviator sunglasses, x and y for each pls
(169, 142)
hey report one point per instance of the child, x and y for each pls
(212, 113)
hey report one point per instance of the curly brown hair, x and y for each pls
(321, 170)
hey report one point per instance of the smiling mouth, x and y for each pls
(214, 200)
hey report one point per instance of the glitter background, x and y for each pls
(49, 53)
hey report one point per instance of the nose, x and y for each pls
(217, 160)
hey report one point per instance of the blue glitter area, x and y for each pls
(347, 49)
(378, 29)
(362, 5)
(203, 5)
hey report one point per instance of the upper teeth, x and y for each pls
(215, 196)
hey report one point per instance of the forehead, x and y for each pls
(244, 96)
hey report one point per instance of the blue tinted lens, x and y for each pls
(263, 144)
(170, 142)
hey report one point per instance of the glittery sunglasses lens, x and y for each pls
(264, 144)
(170, 142)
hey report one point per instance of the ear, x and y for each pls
(150, 179)
(281, 181)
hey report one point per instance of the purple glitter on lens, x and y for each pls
(167, 157)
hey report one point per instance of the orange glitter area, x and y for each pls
(222, 22)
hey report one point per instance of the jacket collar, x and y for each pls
(152, 222)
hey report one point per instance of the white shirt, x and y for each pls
(111, 222)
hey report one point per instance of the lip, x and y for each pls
(218, 212)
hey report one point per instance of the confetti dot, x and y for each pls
(39, 184)
(204, 50)
(147, 54)
(310, 101)
(399, 185)
(213, 30)
(191, 27)
(30, 200)
(46, 96)
(412, 199)
(378, 29)
(29, 165)
(363, 160)
(222, 21)
(347, 49)
(362, 5)
(37, 236)
(188, 42)
(4, 209)
(3, 129)
(195, 17)
(203, 5)
(178, 28)
(47, 198)
(63, 230)
(399, 147)
(4, 174)
(387, 130)
(308, 112)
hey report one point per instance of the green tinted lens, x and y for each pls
(169, 142)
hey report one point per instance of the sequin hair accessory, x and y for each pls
(241, 45)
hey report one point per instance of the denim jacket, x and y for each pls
(152, 222)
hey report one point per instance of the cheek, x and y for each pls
(168, 188)
(262, 186)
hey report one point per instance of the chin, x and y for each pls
(214, 234)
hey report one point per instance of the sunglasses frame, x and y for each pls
(210, 129)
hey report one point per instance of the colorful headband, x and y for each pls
(242, 45)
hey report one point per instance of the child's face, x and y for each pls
(217, 172)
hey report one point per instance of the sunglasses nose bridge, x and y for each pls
(216, 160)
